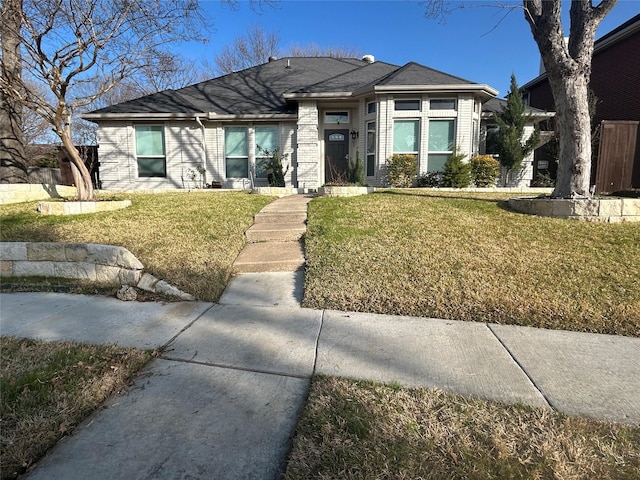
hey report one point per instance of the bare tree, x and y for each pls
(13, 167)
(69, 44)
(256, 46)
(568, 67)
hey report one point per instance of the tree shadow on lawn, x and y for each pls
(475, 196)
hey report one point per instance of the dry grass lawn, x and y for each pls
(50, 387)
(189, 239)
(361, 430)
(467, 257)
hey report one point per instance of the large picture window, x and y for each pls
(406, 136)
(266, 140)
(236, 152)
(441, 143)
(371, 149)
(150, 152)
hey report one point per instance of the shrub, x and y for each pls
(457, 173)
(356, 171)
(275, 170)
(430, 179)
(485, 170)
(402, 170)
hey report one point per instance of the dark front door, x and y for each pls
(336, 156)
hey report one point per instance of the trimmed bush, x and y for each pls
(402, 170)
(485, 170)
(457, 173)
(430, 179)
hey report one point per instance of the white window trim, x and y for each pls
(164, 149)
(330, 112)
(455, 104)
(419, 100)
(393, 132)
(246, 127)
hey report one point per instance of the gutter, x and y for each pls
(204, 150)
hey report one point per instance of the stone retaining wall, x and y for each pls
(76, 208)
(27, 192)
(89, 262)
(610, 210)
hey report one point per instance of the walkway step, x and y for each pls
(275, 232)
(270, 257)
(280, 217)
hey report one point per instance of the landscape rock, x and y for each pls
(127, 293)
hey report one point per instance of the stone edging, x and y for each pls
(609, 210)
(76, 208)
(26, 192)
(101, 264)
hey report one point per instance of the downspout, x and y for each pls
(204, 151)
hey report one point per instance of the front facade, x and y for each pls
(319, 113)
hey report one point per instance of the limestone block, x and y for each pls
(51, 208)
(33, 269)
(630, 207)
(562, 208)
(127, 294)
(76, 252)
(129, 277)
(107, 274)
(13, 251)
(164, 288)
(542, 206)
(46, 251)
(609, 207)
(76, 270)
(102, 254)
(584, 207)
(128, 260)
(6, 268)
(148, 282)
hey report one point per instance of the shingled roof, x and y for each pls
(268, 88)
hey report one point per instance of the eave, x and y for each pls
(213, 116)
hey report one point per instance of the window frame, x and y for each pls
(258, 155)
(337, 113)
(370, 160)
(452, 147)
(162, 157)
(406, 101)
(416, 152)
(235, 157)
(441, 101)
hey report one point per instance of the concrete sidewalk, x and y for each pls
(223, 399)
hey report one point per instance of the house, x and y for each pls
(320, 113)
(615, 77)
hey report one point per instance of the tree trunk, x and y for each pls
(573, 124)
(81, 174)
(13, 167)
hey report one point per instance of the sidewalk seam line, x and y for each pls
(172, 339)
(521, 367)
(315, 357)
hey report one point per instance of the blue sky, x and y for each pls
(482, 44)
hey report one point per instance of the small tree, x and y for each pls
(356, 170)
(275, 170)
(456, 172)
(512, 146)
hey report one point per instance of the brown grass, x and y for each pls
(363, 430)
(467, 257)
(48, 388)
(189, 239)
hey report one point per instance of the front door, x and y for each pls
(336, 156)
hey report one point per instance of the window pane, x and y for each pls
(371, 165)
(266, 139)
(443, 104)
(336, 117)
(261, 167)
(441, 136)
(371, 107)
(235, 142)
(149, 140)
(237, 168)
(407, 104)
(151, 167)
(436, 161)
(405, 136)
(371, 137)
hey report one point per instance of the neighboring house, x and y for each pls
(319, 112)
(615, 78)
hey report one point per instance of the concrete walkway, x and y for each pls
(223, 398)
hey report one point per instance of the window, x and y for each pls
(336, 117)
(150, 153)
(441, 143)
(442, 104)
(266, 139)
(407, 105)
(371, 149)
(371, 107)
(236, 152)
(406, 136)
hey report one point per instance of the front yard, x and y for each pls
(466, 256)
